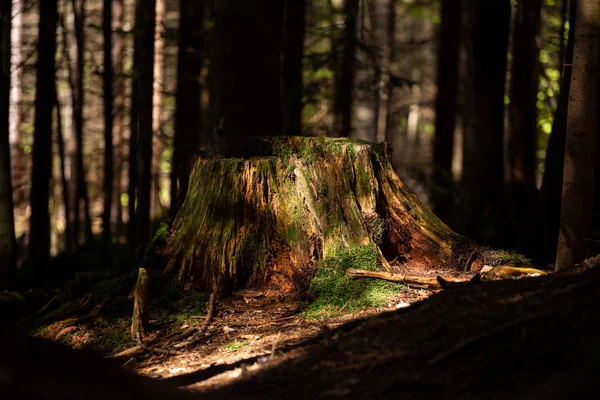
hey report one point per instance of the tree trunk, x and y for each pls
(580, 145)
(77, 82)
(16, 93)
(39, 243)
(156, 209)
(63, 172)
(292, 54)
(483, 144)
(145, 28)
(551, 190)
(189, 92)
(522, 135)
(139, 320)
(344, 79)
(446, 106)
(386, 24)
(269, 221)
(108, 121)
(8, 244)
(119, 112)
(248, 33)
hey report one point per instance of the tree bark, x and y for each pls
(386, 22)
(551, 190)
(292, 54)
(108, 121)
(145, 27)
(139, 320)
(16, 93)
(63, 172)
(8, 244)
(446, 105)
(119, 112)
(189, 92)
(156, 209)
(39, 243)
(580, 145)
(270, 220)
(522, 135)
(132, 184)
(483, 143)
(245, 101)
(344, 79)
(77, 82)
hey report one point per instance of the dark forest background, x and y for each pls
(104, 103)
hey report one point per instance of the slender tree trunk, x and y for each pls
(189, 93)
(386, 21)
(108, 120)
(245, 31)
(344, 81)
(483, 165)
(580, 145)
(522, 111)
(157, 116)
(293, 52)
(63, 172)
(144, 27)
(8, 244)
(39, 244)
(446, 105)
(16, 92)
(551, 190)
(119, 155)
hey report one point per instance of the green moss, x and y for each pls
(333, 290)
(375, 226)
(504, 257)
(235, 345)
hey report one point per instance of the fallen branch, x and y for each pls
(426, 281)
(198, 335)
(149, 349)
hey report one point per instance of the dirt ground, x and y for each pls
(531, 338)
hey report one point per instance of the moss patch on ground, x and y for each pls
(336, 293)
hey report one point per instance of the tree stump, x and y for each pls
(270, 215)
(139, 320)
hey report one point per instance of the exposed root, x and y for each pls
(56, 328)
(149, 349)
(198, 335)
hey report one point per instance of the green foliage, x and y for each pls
(495, 257)
(333, 290)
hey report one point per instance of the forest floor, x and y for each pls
(531, 338)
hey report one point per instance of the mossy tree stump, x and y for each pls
(269, 217)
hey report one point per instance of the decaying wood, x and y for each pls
(139, 320)
(269, 216)
(426, 281)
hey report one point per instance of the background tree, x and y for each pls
(580, 145)
(39, 242)
(108, 120)
(446, 105)
(189, 89)
(551, 189)
(7, 229)
(483, 165)
(344, 74)
(241, 98)
(291, 73)
(145, 28)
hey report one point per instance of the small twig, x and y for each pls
(274, 346)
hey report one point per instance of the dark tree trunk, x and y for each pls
(39, 243)
(108, 120)
(344, 80)
(63, 173)
(189, 93)
(580, 143)
(385, 18)
(145, 27)
(119, 155)
(522, 111)
(245, 101)
(551, 190)
(293, 52)
(483, 164)
(78, 103)
(446, 106)
(8, 245)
